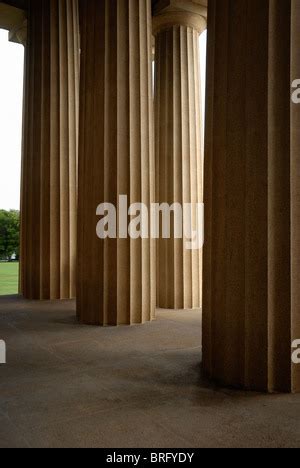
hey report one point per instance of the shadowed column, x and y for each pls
(295, 190)
(179, 149)
(116, 276)
(251, 310)
(49, 167)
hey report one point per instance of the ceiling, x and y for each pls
(157, 2)
(23, 3)
(16, 3)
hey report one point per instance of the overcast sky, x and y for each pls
(11, 96)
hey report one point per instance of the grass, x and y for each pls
(9, 278)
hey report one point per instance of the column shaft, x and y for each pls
(48, 205)
(116, 277)
(179, 156)
(295, 189)
(251, 262)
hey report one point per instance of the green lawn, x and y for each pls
(9, 278)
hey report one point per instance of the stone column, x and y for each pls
(179, 147)
(49, 167)
(295, 191)
(251, 310)
(116, 276)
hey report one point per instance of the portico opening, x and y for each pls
(12, 33)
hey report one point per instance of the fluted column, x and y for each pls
(295, 190)
(179, 149)
(49, 166)
(116, 276)
(251, 310)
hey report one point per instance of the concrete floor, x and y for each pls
(67, 385)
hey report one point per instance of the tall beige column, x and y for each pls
(295, 190)
(49, 167)
(179, 145)
(116, 276)
(251, 311)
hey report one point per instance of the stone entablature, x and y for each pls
(14, 20)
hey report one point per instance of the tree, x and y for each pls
(9, 234)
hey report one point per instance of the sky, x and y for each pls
(11, 98)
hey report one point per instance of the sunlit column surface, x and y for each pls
(179, 148)
(116, 277)
(49, 166)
